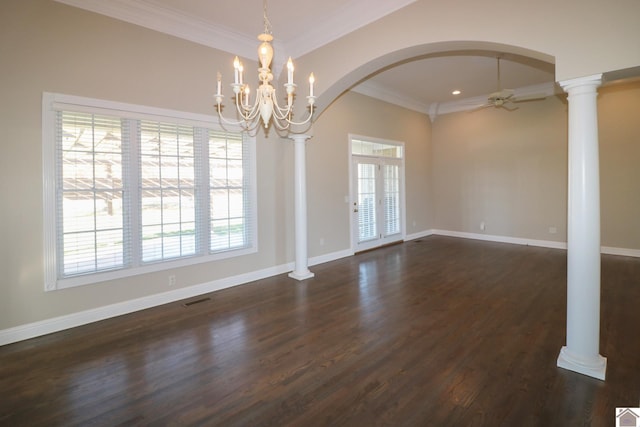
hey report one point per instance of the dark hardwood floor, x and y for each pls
(434, 332)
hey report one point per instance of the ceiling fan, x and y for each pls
(504, 98)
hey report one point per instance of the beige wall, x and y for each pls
(512, 174)
(328, 165)
(506, 169)
(619, 136)
(47, 46)
(509, 169)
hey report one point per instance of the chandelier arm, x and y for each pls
(251, 128)
(292, 122)
(279, 125)
(227, 121)
(248, 114)
(280, 112)
(242, 123)
(304, 122)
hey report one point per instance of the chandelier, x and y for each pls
(265, 106)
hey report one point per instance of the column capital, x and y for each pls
(593, 81)
(299, 137)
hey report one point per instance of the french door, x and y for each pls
(376, 202)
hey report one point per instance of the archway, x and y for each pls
(582, 352)
(390, 60)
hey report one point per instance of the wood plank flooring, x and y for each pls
(434, 332)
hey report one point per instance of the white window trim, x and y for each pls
(54, 101)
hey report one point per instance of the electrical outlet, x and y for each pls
(172, 280)
(482, 226)
(553, 230)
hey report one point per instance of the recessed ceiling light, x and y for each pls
(456, 92)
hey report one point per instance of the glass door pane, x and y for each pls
(391, 179)
(367, 218)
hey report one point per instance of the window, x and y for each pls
(131, 189)
(168, 191)
(227, 193)
(362, 147)
(89, 215)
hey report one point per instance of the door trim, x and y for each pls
(352, 198)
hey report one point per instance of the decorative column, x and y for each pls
(301, 270)
(581, 354)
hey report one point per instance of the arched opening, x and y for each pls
(415, 54)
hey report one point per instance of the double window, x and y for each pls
(131, 189)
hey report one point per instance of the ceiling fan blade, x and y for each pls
(508, 93)
(508, 107)
(479, 107)
(530, 97)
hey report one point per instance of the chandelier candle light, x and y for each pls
(265, 104)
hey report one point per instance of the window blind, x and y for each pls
(391, 205)
(167, 190)
(90, 212)
(229, 192)
(134, 193)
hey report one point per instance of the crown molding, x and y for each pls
(181, 25)
(350, 17)
(436, 109)
(375, 90)
(172, 22)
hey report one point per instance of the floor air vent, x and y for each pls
(198, 301)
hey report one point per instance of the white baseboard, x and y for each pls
(56, 324)
(608, 250)
(620, 251)
(418, 235)
(321, 259)
(503, 239)
(68, 321)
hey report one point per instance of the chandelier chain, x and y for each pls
(267, 23)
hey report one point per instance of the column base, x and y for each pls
(301, 275)
(592, 368)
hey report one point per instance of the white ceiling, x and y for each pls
(303, 25)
